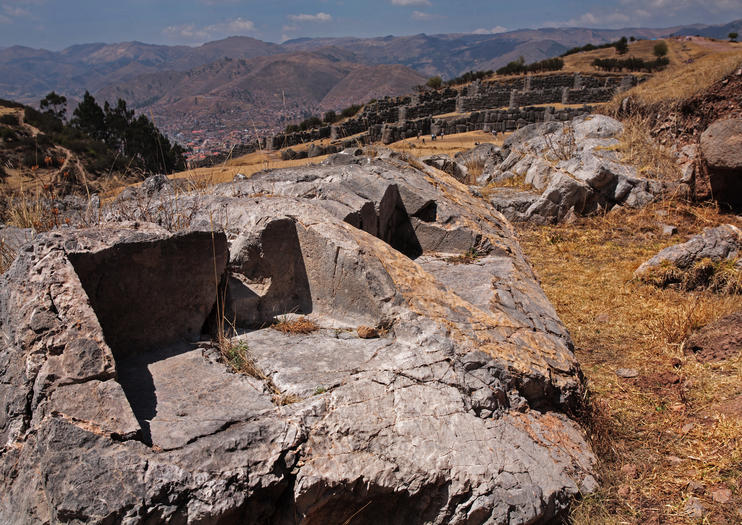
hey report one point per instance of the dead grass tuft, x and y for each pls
(302, 325)
(723, 277)
(475, 168)
(31, 209)
(638, 148)
(467, 257)
(518, 183)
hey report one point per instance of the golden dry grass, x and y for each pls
(682, 80)
(653, 435)
(301, 325)
(247, 165)
(638, 148)
(448, 144)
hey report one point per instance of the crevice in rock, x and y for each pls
(389, 221)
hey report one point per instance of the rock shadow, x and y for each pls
(390, 222)
(151, 298)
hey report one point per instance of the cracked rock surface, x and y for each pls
(119, 409)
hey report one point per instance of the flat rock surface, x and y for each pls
(721, 145)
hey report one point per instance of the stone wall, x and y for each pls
(390, 119)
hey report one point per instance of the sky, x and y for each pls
(56, 24)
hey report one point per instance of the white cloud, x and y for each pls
(198, 34)
(420, 15)
(493, 31)
(14, 12)
(411, 2)
(319, 17)
(656, 12)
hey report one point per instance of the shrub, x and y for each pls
(660, 49)
(434, 82)
(631, 64)
(471, 76)
(518, 67)
(330, 117)
(622, 46)
(350, 111)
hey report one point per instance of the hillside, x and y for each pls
(28, 74)
(263, 93)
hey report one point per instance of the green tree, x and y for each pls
(117, 120)
(434, 82)
(622, 46)
(330, 117)
(660, 49)
(55, 105)
(733, 36)
(89, 118)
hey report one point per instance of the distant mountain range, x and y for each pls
(244, 82)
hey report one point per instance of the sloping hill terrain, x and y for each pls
(28, 74)
(262, 92)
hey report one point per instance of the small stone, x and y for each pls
(366, 332)
(239, 177)
(674, 459)
(688, 427)
(629, 470)
(624, 491)
(589, 485)
(627, 373)
(721, 495)
(695, 487)
(603, 318)
(669, 230)
(693, 508)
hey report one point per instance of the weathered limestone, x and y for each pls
(721, 150)
(714, 244)
(118, 409)
(567, 169)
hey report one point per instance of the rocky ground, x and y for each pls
(369, 340)
(437, 384)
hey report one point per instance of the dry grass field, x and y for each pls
(675, 431)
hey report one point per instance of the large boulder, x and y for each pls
(119, 409)
(481, 160)
(721, 150)
(569, 169)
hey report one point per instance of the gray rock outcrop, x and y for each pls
(568, 169)
(716, 244)
(118, 408)
(448, 165)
